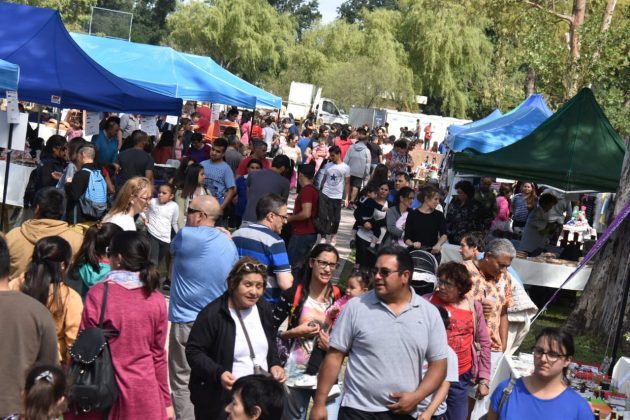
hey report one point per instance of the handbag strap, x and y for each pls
(252, 355)
(103, 305)
(506, 393)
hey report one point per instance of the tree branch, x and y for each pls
(551, 12)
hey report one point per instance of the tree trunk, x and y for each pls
(530, 82)
(610, 8)
(598, 309)
(577, 19)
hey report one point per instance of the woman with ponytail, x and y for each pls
(137, 310)
(44, 281)
(91, 263)
(44, 394)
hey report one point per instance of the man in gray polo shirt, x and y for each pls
(387, 334)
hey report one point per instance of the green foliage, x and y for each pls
(247, 37)
(350, 10)
(305, 12)
(149, 19)
(448, 51)
(75, 13)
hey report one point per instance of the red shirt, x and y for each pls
(162, 154)
(242, 167)
(344, 145)
(309, 194)
(460, 333)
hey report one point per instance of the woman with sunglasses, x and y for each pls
(467, 335)
(545, 394)
(305, 306)
(232, 337)
(132, 199)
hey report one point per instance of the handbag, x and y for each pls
(476, 345)
(258, 370)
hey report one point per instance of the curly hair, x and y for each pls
(458, 274)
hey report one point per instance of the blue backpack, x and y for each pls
(93, 202)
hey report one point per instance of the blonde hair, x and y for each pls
(129, 190)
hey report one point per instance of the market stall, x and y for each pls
(537, 271)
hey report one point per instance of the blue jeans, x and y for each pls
(457, 399)
(298, 400)
(299, 247)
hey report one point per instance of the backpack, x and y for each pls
(91, 372)
(33, 185)
(93, 202)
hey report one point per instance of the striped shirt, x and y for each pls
(260, 242)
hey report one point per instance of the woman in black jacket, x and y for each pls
(305, 306)
(218, 349)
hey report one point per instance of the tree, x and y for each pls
(75, 13)
(350, 10)
(449, 52)
(598, 308)
(247, 37)
(305, 12)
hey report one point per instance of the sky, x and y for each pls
(328, 9)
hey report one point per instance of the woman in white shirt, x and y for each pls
(132, 199)
(537, 228)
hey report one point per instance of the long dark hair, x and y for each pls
(180, 173)
(94, 246)
(306, 272)
(51, 256)
(191, 181)
(133, 248)
(380, 175)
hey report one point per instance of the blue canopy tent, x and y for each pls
(162, 70)
(9, 75)
(504, 130)
(456, 129)
(55, 71)
(264, 99)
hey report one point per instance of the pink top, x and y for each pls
(503, 207)
(138, 353)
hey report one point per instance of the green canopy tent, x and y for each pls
(576, 149)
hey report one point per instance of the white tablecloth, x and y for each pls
(18, 179)
(534, 273)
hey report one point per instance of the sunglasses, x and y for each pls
(384, 272)
(253, 268)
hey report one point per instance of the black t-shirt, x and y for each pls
(375, 152)
(133, 162)
(425, 228)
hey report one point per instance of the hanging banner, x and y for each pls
(92, 121)
(148, 124)
(216, 111)
(13, 110)
(18, 139)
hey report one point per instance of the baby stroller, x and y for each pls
(424, 272)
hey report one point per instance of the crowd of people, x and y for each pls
(257, 326)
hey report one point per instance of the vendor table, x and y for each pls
(534, 273)
(18, 179)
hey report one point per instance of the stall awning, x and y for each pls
(55, 71)
(504, 130)
(162, 70)
(264, 99)
(456, 129)
(576, 149)
(9, 75)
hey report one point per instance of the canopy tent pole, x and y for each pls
(6, 178)
(624, 302)
(251, 126)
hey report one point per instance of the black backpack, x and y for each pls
(91, 372)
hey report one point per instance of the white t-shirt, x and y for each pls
(243, 365)
(451, 376)
(161, 219)
(268, 133)
(335, 180)
(125, 221)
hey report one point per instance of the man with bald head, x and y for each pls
(203, 257)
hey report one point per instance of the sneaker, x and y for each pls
(306, 381)
(335, 391)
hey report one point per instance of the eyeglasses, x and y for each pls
(193, 211)
(326, 264)
(384, 272)
(143, 198)
(253, 268)
(445, 284)
(552, 356)
(285, 218)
